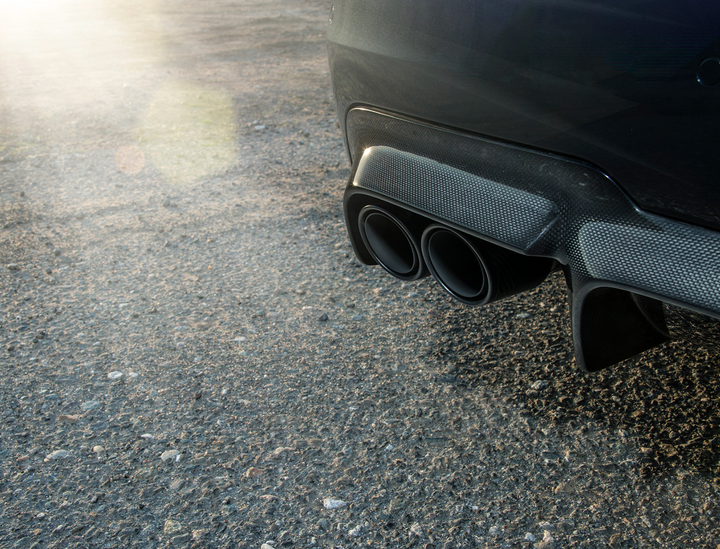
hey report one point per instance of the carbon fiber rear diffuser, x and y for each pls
(620, 261)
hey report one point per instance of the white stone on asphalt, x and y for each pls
(170, 455)
(332, 503)
(280, 453)
(57, 454)
(496, 531)
(172, 526)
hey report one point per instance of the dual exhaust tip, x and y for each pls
(472, 271)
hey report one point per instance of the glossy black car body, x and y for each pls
(493, 141)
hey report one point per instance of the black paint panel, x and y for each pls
(613, 83)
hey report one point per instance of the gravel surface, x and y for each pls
(192, 356)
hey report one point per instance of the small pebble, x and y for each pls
(279, 453)
(172, 526)
(200, 534)
(90, 405)
(58, 454)
(115, 375)
(416, 529)
(168, 455)
(332, 503)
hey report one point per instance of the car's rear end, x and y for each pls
(495, 141)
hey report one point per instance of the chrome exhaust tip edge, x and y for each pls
(391, 243)
(476, 272)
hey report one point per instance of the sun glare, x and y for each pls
(74, 60)
(65, 53)
(189, 132)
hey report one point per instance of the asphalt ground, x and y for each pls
(193, 357)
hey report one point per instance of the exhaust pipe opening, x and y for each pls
(457, 266)
(477, 272)
(390, 243)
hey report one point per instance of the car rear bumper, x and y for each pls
(615, 255)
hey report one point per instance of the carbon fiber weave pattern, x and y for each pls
(537, 204)
(485, 207)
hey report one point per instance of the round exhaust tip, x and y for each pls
(390, 243)
(456, 265)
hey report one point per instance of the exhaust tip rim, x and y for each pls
(460, 287)
(405, 264)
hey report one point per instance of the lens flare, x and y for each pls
(66, 54)
(189, 132)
